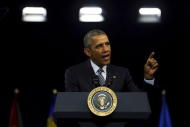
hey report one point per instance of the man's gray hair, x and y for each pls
(89, 35)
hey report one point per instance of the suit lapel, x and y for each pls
(90, 75)
(110, 76)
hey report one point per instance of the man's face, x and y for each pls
(99, 50)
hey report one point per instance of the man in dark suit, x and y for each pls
(83, 77)
(86, 76)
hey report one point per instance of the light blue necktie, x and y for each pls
(100, 76)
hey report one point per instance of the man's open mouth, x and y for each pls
(106, 56)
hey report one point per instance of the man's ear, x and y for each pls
(87, 52)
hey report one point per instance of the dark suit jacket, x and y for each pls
(81, 78)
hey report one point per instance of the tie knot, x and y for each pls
(100, 70)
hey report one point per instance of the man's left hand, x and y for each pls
(150, 67)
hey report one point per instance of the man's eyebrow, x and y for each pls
(99, 45)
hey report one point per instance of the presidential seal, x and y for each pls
(102, 101)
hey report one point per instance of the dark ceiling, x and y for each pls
(63, 24)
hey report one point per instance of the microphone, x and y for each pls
(95, 80)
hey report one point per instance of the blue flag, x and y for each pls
(50, 121)
(165, 118)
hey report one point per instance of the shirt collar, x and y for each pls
(96, 67)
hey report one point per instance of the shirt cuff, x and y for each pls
(151, 82)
